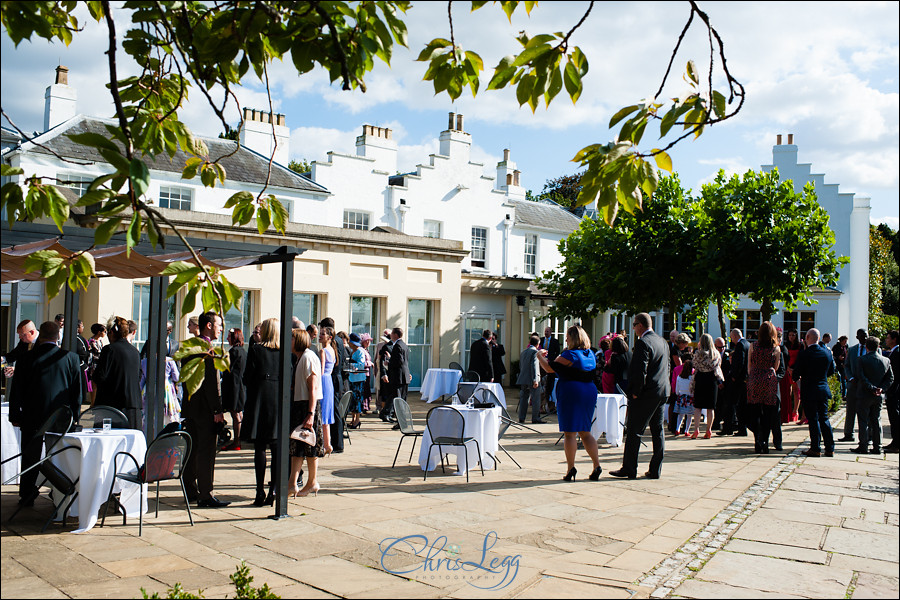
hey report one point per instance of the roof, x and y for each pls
(544, 216)
(244, 165)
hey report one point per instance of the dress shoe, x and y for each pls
(708, 434)
(891, 449)
(875, 451)
(212, 502)
(521, 420)
(341, 450)
(260, 498)
(28, 500)
(847, 438)
(740, 433)
(395, 427)
(828, 453)
(650, 475)
(595, 474)
(778, 449)
(538, 422)
(570, 476)
(723, 432)
(811, 453)
(858, 450)
(622, 473)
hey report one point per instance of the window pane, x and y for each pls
(356, 220)
(419, 322)
(754, 320)
(479, 246)
(432, 229)
(807, 321)
(239, 317)
(140, 312)
(175, 197)
(531, 242)
(306, 307)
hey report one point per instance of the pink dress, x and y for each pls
(608, 380)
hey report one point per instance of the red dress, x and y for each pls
(788, 414)
(761, 380)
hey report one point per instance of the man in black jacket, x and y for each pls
(202, 414)
(48, 378)
(551, 345)
(813, 366)
(892, 397)
(648, 388)
(735, 417)
(28, 335)
(398, 376)
(480, 357)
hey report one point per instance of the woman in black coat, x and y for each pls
(618, 363)
(234, 392)
(117, 378)
(261, 410)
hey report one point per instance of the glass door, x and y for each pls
(419, 339)
(364, 318)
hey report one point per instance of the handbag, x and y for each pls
(302, 434)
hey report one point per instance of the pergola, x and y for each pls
(112, 260)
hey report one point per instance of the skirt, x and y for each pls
(298, 415)
(575, 403)
(706, 390)
(684, 405)
(359, 392)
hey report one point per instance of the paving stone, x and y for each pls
(300, 590)
(129, 587)
(778, 551)
(554, 587)
(869, 526)
(30, 587)
(696, 588)
(762, 527)
(634, 559)
(776, 575)
(876, 586)
(192, 579)
(13, 570)
(860, 543)
(147, 566)
(64, 568)
(659, 543)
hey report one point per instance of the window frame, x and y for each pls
(478, 263)
(533, 255)
(180, 191)
(440, 229)
(355, 224)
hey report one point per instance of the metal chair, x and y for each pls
(343, 407)
(445, 399)
(405, 420)
(93, 417)
(457, 366)
(467, 385)
(59, 421)
(164, 460)
(486, 396)
(450, 440)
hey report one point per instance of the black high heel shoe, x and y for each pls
(260, 498)
(270, 497)
(570, 476)
(595, 475)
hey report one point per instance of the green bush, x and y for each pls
(834, 383)
(242, 588)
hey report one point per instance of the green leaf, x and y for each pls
(57, 206)
(280, 214)
(115, 158)
(692, 72)
(573, 82)
(663, 160)
(140, 176)
(719, 104)
(192, 374)
(262, 219)
(106, 230)
(623, 112)
(133, 233)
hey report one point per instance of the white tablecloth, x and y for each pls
(481, 424)
(439, 382)
(609, 417)
(94, 466)
(11, 442)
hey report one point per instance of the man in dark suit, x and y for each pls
(875, 378)
(854, 353)
(28, 335)
(480, 358)
(398, 376)
(497, 354)
(648, 388)
(551, 345)
(813, 366)
(529, 381)
(49, 378)
(202, 414)
(722, 401)
(117, 376)
(893, 393)
(735, 414)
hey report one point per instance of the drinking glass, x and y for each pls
(107, 424)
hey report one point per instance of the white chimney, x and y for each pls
(256, 134)
(377, 142)
(455, 142)
(59, 100)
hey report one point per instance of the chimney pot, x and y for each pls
(389, 134)
(516, 177)
(452, 120)
(62, 75)
(778, 138)
(509, 178)
(459, 122)
(790, 138)
(281, 120)
(505, 154)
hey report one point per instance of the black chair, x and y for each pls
(486, 396)
(93, 417)
(164, 460)
(445, 399)
(467, 385)
(458, 424)
(457, 366)
(59, 421)
(343, 407)
(405, 420)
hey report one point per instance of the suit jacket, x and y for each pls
(398, 367)
(852, 360)
(739, 361)
(46, 378)
(18, 352)
(648, 373)
(207, 401)
(874, 372)
(480, 359)
(497, 354)
(814, 365)
(529, 368)
(552, 348)
(782, 365)
(83, 351)
(118, 376)
(894, 357)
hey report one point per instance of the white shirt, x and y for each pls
(309, 364)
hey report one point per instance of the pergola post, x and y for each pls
(282, 456)
(70, 328)
(13, 314)
(155, 391)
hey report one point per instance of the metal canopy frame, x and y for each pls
(79, 238)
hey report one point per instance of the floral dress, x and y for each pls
(761, 380)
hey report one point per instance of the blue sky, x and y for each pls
(826, 72)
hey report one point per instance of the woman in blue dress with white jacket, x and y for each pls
(576, 397)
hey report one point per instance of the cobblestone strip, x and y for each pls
(685, 562)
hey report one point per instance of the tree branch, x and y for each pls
(342, 57)
(114, 80)
(564, 44)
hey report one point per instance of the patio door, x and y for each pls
(420, 329)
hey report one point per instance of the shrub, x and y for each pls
(242, 588)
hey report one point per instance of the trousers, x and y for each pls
(639, 417)
(530, 395)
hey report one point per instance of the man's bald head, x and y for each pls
(736, 335)
(812, 337)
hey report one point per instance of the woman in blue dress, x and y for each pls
(327, 354)
(576, 397)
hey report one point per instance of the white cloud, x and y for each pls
(892, 222)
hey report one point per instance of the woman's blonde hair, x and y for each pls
(577, 338)
(708, 345)
(300, 341)
(268, 333)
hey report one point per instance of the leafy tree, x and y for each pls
(882, 291)
(563, 190)
(891, 296)
(301, 166)
(642, 262)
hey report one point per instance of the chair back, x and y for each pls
(93, 417)
(166, 457)
(404, 415)
(620, 390)
(57, 478)
(471, 377)
(505, 421)
(59, 422)
(451, 426)
(457, 366)
(344, 405)
(445, 399)
(484, 395)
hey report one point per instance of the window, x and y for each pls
(240, 317)
(619, 323)
(748, 321)
(79, 183)
(419, 332)
(531, 246)
(140, 312)
(364, 318)
(306, 307)
(356, 220)
(479, 247)
(802, 321)
(432, 229)
(178, 198)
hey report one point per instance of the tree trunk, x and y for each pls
(767, 308)
(721, 317)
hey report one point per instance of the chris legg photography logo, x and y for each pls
(418, 557)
